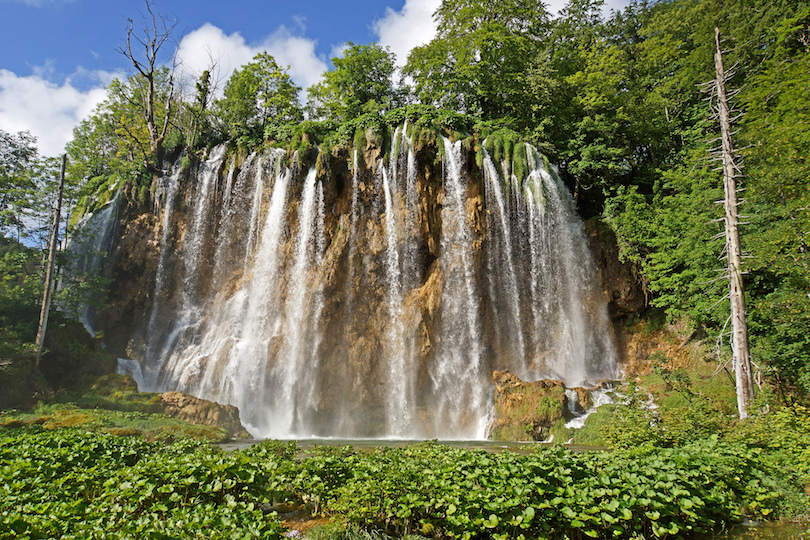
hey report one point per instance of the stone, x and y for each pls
(526, 410)
(201, 411)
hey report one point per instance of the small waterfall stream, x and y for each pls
(383, 319)
(89, 248)
(457, 374)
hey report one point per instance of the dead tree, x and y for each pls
(739, 324)
(156, 33)
(49, 265)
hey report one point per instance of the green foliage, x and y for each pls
(360, 83)
(20, 292)
(131, 414)
(553, 493)
(478, 61)
(258, 95)
(71, 483)
(20, 168)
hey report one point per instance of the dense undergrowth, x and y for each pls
(78, 484)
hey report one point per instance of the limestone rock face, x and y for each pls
(201, 411)
(526, 410)
(620, 280)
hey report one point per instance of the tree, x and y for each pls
(739, 316)
(198, 110)
(18, 158)
(258, 95)
(361, 81)
(668, 222)
(478, 61)
(49, 265)
(155, 33)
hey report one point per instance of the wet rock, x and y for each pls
(621, 281)
(526, 410)
(201, 411)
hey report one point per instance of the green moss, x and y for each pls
(513, 432)
(520, 163)
(151, 426)
(560, 433)
(591, 434)
(549, 408)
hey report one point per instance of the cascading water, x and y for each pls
(193, 246)
(373, 306)
(89, 248)
(399, 408)
(501, 265)
(463, 396)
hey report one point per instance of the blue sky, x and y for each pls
(56, 56)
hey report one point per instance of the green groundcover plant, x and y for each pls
(71, 483)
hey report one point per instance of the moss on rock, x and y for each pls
(526, 410)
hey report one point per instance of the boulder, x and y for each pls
(526, 410)
(201, 411)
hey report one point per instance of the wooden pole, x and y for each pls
(739, 324)
(48, 289)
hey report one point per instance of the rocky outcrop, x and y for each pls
(643, 345)
(201, 411)
(621, 282)
(526, 410)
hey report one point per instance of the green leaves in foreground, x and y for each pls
(76, 484)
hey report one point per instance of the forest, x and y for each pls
(623, 104)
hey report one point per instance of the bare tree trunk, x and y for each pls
(739, 323)
(46, 295)
(155, 34)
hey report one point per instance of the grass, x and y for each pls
(153, 427)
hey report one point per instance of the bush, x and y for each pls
(74, 483)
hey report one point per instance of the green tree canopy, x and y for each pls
(360, 82)
(258, 95)
(480, 58)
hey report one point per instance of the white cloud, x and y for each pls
(209, 44)
(338, 50)
(49, 111)
(407, 28)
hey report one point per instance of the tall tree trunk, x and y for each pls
(49, 270)
(739, 323)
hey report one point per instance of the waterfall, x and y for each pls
(500, 231)
(255, 210)
(293, 370)
(169, 187)
(577, 334)
(457, 375)
(88, 249)
(194, 244)
(371, 303)
(399, 408)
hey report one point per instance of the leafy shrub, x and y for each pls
(71, 483)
